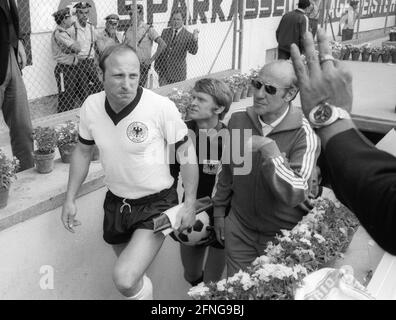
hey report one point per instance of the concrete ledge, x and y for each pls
(33, 194)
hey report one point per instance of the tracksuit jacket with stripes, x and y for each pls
(272, 195)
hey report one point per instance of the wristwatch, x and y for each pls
(325, 114)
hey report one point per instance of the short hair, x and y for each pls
(113, 49)
(303, 4)
(218, 90)
(178, 11)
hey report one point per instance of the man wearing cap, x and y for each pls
(348, 19)
(171, 66)
(291, 29)
(145, 36)
(109, 35)
(65, 50)
(13, 96)
(84, 32)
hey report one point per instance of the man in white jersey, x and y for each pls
(133, 128)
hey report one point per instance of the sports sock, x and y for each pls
(146, 292)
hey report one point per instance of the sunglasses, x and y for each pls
(270, 89)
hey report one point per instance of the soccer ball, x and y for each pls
(199, 232)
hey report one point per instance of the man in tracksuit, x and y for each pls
(274, 194)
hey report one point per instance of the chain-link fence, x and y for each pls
(208, 43)
(63, 52)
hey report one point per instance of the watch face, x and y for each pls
(323, 113)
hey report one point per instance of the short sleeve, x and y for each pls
(153, 34)
(64, 39)
(173, 127)
(84, 133)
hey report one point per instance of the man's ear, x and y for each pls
(219, 109)
(291, 94)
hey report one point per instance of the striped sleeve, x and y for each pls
(289, 179)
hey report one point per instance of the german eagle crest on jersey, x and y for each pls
(137, 132)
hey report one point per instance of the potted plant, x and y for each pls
(335, 49)
(393, 53)
(245, 79)
(375, 53)
(182, 100)
(46, 141)
(8, 170)
(355, 51)
(67, 140)
(385, 54)
(235, 84)
(366, 52)
(345, 52)
(253, 74)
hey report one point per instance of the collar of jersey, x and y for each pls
(117, 117)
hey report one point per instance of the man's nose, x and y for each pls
(259, 93)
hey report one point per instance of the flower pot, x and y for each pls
(66, 151)
(250, 91)
(95, 153)
(355, 56)
(336, 54)
(393, 55)
(44, 162)
(345, 54)
(385, 57)
(237, 95)
(4, 193)
(365, 56)
(392, 36)
(244, 93)
(374, 56)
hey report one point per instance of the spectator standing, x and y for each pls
(87, 80)
(275, 193)
(64, 51)
(171, 65)
(313, 15)
(146, 35)
(108, 37)
(348, 19)
(291, 29)
(13, 96)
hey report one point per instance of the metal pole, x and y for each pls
(387, 14)
(221, 47)
(241, 8)
(134, 23)
(358, 24)
(234, 38)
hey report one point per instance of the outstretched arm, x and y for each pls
(78, 171)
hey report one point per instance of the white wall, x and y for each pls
(82, 262)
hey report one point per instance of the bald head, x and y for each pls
(279, 73)
(117, 49)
